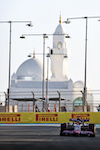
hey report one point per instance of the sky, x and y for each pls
(45, 17)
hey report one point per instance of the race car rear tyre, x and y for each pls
(93, 135)
(62, 134)
(91, 127)
(62, 128)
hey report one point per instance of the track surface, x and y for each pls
(44, 138)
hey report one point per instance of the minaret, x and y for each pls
(58, 55)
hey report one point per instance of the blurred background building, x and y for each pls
(59, 89)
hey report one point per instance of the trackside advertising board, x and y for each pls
(47, 117)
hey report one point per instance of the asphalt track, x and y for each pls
(44, 138)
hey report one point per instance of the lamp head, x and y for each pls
(29, 24)
(67, 36)
(67, 21)
(45, 36)
(29, 56)
(22, 37)
(65, 56)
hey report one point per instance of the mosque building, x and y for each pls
(28, 79)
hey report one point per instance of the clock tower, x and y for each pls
(58, 55)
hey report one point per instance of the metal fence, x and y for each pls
(27, 106)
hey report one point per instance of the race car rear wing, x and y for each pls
(82, 120)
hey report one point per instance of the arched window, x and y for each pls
(51, 51)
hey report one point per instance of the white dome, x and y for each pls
(59, 29)
(13, 77)
(30, 69)
(78, 84)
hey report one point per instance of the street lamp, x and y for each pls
(59, 100)
(10, 22)
(85, 72)
(44, 37)
(48, 55)
(82, 98)
(33, 101)
(67, 36)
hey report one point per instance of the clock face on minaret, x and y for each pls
(59, 45)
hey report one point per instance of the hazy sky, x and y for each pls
(45, 16)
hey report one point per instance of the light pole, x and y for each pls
(44, 37)
(5, 100)
(59, 100)
(9, 74)
(85, 74)
(48, 55)
(85, 71)
(43, 85)
(33, 101)
(82, 99)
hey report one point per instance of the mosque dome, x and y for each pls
(78, 84)
(30, 69)
(59, 29)
(13, 76)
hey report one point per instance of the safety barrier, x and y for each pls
(47, 117)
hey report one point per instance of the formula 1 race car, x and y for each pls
(78, 127)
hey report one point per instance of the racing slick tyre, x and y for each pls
(92, 127)
(62, 128)
(93, 135)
